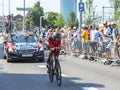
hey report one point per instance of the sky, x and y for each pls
(48, 5)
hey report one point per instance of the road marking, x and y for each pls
(64, 75)
(44, 66)
(89, 88)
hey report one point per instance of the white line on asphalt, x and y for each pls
(89, 88)
(44, 66)
(64, 75)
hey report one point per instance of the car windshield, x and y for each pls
(21, 39)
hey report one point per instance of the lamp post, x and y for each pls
(9, 7)
(24, 17)
(45, 16)
(41, 23)
(3, 22)
(94, 15)
(81, 9)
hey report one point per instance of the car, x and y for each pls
(23, 46)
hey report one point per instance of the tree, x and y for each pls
(88, 12)
(72, 20)
(34, 14)
(59, 21)
(116, 6)
(50, 19)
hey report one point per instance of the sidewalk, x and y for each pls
(99, 60)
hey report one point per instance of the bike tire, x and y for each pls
(51, 71)
(58, 73)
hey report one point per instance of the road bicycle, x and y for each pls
(55, 68)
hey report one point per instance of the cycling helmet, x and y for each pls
(56, 36)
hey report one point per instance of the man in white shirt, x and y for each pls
(76, 44)
(94, 38)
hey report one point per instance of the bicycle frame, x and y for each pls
(55, 68)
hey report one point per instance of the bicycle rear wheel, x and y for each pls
(58, 73)
(51, 71)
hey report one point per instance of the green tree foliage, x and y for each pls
(88, 12)
(51, 16)
(34, 14)
(116, 6)
(59, 21)
(72, 20)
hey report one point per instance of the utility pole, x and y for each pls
(103, 14)
(24, 17)
(9, 7)
(81, 9)
(24, 9)
(3, 22)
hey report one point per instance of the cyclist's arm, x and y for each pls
(59, 44)
(51, 45)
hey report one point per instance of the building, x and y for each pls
(66, 6)
(2, 23)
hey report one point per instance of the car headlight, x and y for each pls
(11, 50)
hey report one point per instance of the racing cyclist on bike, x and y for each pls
(54, 45)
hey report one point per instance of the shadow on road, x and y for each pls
(11, 81)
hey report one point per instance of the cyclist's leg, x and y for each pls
(48, 61)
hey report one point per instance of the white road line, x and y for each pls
(64, 75)
(89, 88)
(44, 66)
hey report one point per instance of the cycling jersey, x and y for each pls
(54, 44)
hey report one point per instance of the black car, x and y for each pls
(23, 47)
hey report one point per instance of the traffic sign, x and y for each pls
(81, 7)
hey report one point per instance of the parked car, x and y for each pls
(23, 46)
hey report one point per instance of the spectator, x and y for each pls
(76, 44)
(94, 35)
(84, 35)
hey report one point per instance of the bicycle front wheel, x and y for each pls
(51, 71)
(58, 73)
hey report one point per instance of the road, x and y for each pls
(77, 74)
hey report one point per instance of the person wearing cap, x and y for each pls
(114, 31)
(84, 35)
(76, 44)
(107, 42)
(69, 39)
(63, 40)
(94, 35)
(118, 44)
(115, 34)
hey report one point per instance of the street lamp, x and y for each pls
(94, 15)
(9, 7)
(45, 16)
(41, 22)
(3, 22)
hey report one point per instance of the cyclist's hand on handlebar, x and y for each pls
(52, 49)
(58, 48)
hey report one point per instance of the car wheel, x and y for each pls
(7, 57)
(4, 56)
(41, 60)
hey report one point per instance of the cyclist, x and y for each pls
(54, 45)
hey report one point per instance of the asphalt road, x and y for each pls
(77, 74)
